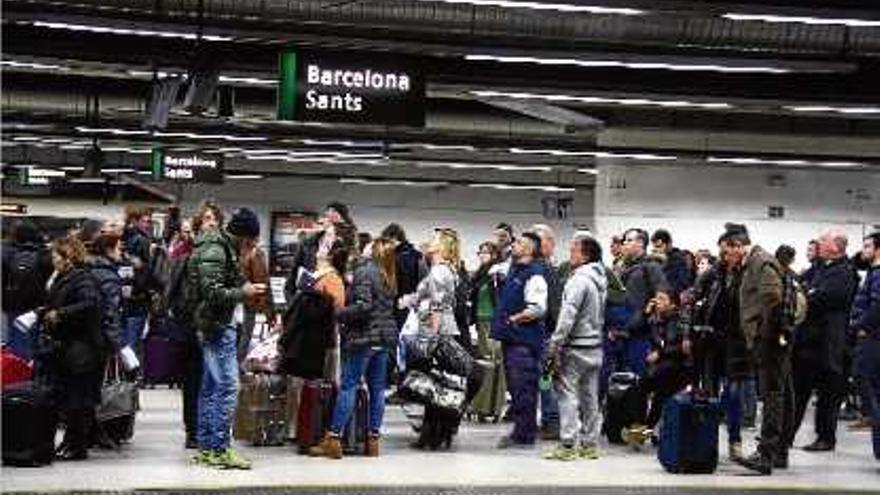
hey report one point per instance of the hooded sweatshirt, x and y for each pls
(582, 313)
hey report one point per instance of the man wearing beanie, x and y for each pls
(252, 261)
(519, 326)
(759, 302)
(219, 288)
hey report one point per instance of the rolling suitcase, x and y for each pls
(625, 405)
(689, 434)
(164, 359)
(14, 369)
(261, 416)
(294, 392)
(356, 432)
(316, 405)
(29, 425)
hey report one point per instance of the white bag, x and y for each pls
(264, 356)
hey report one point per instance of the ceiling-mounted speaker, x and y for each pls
(226, 101)
(162, 100)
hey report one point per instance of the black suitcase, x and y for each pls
(29, 425)
(356, 432)
(625, 405)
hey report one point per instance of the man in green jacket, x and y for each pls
(216, 289)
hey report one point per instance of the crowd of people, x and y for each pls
(737, 323)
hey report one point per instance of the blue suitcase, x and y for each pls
(689, 434)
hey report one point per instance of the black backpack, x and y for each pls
(308, 333)
(22, 284)
(176, 291)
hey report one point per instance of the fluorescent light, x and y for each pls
(802, 20)
(136, 32)
(346, 144)
(160, 74)
(32, 65)
(625, 65)
(557, 7)
(248, 80)
(73, 169)
(244, 176)
(595, 154)
(114, 131)
(26, 138)
(485, 166)
(136, 151)
(405, 183)
(117, 170)
(87, 180)
(784, 163)
(514, 187)
(591, 171)
(600, 100)
(829, 109)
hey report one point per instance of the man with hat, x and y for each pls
(759, 304)
(218, 288)
(519, 326)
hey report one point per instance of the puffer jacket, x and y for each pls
(106, 274)
(582, 311)
(75, 296)
(216, 280)
(368, 320)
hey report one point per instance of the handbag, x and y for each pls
(119, 398)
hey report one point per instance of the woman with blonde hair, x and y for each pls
(435, 295)
(370, 334)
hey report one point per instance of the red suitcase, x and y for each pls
(14, 369)
(315, 408)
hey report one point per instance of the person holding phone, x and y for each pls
(222, 291)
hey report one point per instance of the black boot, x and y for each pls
(820, 446)
(780, 460)
(76, 435)
(759, 462)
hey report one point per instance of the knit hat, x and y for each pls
(244, 223)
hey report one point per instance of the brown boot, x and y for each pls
(372, 446)
(330, 446)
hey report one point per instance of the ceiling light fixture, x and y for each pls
(591, 171)
(256, 81)
(626, 65)
(117, 170)
(125, 31)
(802, 20)
(405, 183)
(828, 109)
(515, 187)
(32, 65)
(601, 100)
(783, 163)
(556, 7)
(594, 154)
(244, 176)
(485, 166)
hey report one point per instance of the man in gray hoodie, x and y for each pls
(576, 351)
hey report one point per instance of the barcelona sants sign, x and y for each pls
(358, 89)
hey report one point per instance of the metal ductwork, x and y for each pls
(536, 29)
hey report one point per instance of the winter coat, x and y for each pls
(821, 338)
(368, 319)
(760, 295)
(77, 299)
(256, 271)
(106, 273)
(865, 315)
(555, 287)
(411, 269)
(643, 279)
(512, 301)
(213, 272)
(677, 273)
(582, 311)
(436, 295)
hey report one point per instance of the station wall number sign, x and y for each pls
(186, 167)
(376, 89)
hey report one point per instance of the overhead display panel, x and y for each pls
(186, 167)
(378, 89)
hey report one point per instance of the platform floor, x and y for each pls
(156, 460)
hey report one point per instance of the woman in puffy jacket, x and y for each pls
(370, 335)
(72, 318)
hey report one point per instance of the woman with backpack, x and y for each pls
(370, 335)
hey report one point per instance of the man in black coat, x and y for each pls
(820, 341)
(411, 267)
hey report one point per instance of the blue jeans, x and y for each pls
(357, 363)
(219, 387)
(732, 399)
(522, 371)
(133, 324)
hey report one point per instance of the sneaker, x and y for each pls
(562, 453)
(205, 458)
(230, 459)
(589, 453)
(636, 435)
(735, 451)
